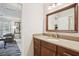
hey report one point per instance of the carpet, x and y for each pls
(10, 50)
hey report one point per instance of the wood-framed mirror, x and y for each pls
(63, 20)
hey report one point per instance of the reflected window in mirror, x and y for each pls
(52, 5)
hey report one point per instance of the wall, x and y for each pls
(46, 11)
(32, 22)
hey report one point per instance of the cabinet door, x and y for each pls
(36, 47)
(52, 53)
(47, 52)
(66, 52)
(44, 51)
(48, 49)
(36, 51)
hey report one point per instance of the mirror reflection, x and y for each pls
(63, 20)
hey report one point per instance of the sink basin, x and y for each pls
(49, 38)
(54, 39)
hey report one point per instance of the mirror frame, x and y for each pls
(75, 6)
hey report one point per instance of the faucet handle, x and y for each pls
(56, 35)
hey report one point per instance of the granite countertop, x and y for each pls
(73, 45)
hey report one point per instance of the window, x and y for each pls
(52, 5)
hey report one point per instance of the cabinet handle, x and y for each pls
(67, 54)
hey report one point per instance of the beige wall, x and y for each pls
(32, 22)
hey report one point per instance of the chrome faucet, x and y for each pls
(56, 27)
(56, 35)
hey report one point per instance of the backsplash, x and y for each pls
(69, 36)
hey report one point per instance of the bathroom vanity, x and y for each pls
(51, 46)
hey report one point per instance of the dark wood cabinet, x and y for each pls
(36, 51)
(47, 52)
(61, 51)
(43, 48)
(36, 47)
(48, 49)
(44, 51)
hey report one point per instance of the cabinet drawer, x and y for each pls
(48, 45)
(67, 52)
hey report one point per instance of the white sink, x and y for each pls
(54, 39)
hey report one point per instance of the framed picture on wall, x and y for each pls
(17, 30)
